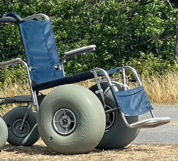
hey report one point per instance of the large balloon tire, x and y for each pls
(86, 120)
(3, 133)
(29, 134)
(118, 135)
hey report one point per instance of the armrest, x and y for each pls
(80, 51)
(10, 62)
(77, 51)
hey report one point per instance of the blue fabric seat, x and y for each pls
(42, 56)
(40, 51)
(132, 102)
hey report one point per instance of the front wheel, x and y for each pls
(117, 134)
(3, 133)
(28, 134)
(71, 120)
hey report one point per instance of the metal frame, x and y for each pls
(19, 61)
(36, 16)
(147, 123)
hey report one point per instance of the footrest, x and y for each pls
(152, 122)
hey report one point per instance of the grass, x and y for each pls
(134, 152)
(161, 90)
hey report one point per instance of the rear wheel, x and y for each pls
(71, 120)
(28, 134)
(117, 134)
(3, 133)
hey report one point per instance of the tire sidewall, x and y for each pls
(3, 133)
(89, 116)
(119, 135)
(48, 114)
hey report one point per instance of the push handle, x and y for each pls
(10, 17)
(15, 18)
(14, 15)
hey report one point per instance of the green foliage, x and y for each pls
(124, 33)
(13, 74)
(148, 65)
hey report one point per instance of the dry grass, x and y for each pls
(15, 90)
(133, 152)
(11, 90)
(161, 89)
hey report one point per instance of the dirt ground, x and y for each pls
(133, 152)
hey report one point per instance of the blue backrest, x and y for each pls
(40, 50)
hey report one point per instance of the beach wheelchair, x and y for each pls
(71, 118)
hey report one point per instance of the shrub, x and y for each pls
(123, 32)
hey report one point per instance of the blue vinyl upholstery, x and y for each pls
(42, 56)
(40, 50)
(132, 102)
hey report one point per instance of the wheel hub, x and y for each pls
(110, 118)
(21, 132)
(64, 121)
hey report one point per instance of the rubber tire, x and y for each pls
(3, 133)
(119, 135)
(89, 114)
(18, 113)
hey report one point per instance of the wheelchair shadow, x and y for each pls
(37, 149)
(29, 150)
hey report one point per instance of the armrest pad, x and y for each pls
(10, 62)
(80, 51)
